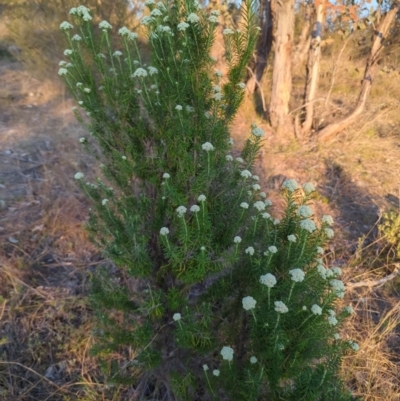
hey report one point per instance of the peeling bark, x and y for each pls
(283, 32)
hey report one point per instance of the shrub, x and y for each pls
(212, 297)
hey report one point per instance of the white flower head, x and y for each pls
(213, 19)
(332, 320)
(62, 63)
(166, 176)
(244, 205)
(164, 231)
(317, 310)
(68, 52)
(62, 72)
(268, 202)
(183, 26)
(304, 211)
(87, 90)
(73, 11)
(276, 222)
(149, 2)
(322, 271)
(181, 210)
(104, 25)
(308, 225)
(218, 96)
(76, 38)
(229, 158)
(177, 316)
(263, 195)
(297, 275)
(273, 249)
(291, 238)
(218, 73)
(193, 18)
(338, 287)
(268, 279)
(79, 176)
(124, 31)
(156, 13)
(354, 345)
(104, 202)
(82, 140)
(117, 53)
(241, 85)
(205, 367)
(336, 336)
(327, 219)
(249, 250)
(329, 232)
(132, 36)
(280, 307)
(152, 70)
(216, 372)
(291, 185)
(227, 353)
(66, 26)
(349, 309)
(178, 107)
(146, 20)
(207, 146)
(195, 209)
(308, 188)
(237, 240)
(257, 131)
(257, 187)
(140, 72)
(248, 303)
(201, 198)
(259, 205)
(245, 173)
(253, 360)
(320, 250)
(227, 31)
(337, 271)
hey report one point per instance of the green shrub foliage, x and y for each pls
(212, 297)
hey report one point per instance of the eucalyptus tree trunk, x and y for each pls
(263, 46)
(380, 33)
(313, 66)
(300, 50)
(283, 32)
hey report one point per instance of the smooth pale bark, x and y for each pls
(263, 46)
(283, 32)
(313, 66)
(380, 35)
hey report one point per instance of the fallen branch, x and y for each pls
(375, 283)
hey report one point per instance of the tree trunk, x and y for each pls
(380, 35)
(263, 46)
(313, 65)
(300, 50)
(283, 32)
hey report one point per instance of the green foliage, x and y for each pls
(390, 229)
(203, 270)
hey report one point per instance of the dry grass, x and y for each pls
(46, 258)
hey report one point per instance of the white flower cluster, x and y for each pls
(181, 210)
(79, 176)
(201, 198)
(249, 250)
(291, 185)
(338, 287)
(82, 12)
(62, 72)
(152, 70)
(146, 20)
(76, 38)
(66, 26)
(259, 205)
(227, 353)
(308, 225)
(329, 232)
(183, 26)
(227, 31)
(249, 303)
(176, 317)
(257, 131)
(297, 275)
(268, 279)
(140, 73)
(304, 211)
(104, 26)
(316, 310)
(308, 188)
(291, 238)
(244, 205)
(253, 360)
(164, 231)
(166, 176)
(280, 307)
(195, 209)
(327, 219)
(207, 146)
(237, 240)
(245, 173)
(193, 18)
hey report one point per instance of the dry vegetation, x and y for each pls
(46, 259)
